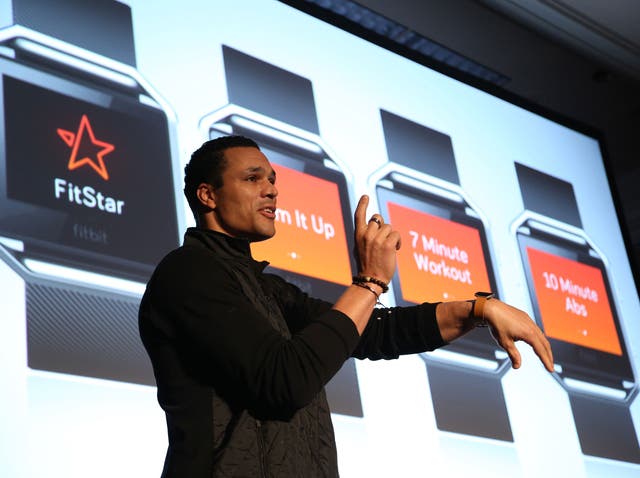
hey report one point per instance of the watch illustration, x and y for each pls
(313, 240)
(572, 301)
(80, 131)
(445, 256)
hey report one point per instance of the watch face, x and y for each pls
(573, 305)
(310, 234)
(313, 240)
(74, 163)
(444, 254)
(442, 259)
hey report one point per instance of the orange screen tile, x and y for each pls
(573, 302)
(310, 235)
(439, 259)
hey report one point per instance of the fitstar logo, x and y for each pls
(86, 149)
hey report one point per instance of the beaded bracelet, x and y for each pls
(364, 279)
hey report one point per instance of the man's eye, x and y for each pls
(252, 178)
(272, 180)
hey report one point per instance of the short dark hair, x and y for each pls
(207, 165)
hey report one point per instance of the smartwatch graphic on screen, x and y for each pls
(572, 302)
(86, 143)
(445, 256)
(314, 233)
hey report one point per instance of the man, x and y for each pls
(241, 357)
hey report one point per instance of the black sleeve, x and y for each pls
(391, 332)
(396, 331)
(297, 307)
(195, 306)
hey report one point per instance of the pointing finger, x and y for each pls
(359, 216)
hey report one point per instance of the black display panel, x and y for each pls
(87, 175)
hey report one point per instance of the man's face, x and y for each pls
(245, 205)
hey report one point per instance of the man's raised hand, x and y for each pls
(376, 244)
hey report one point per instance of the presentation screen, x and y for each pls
(97, 124)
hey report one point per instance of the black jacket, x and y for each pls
(241, 358)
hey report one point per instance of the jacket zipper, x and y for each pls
(261, 450)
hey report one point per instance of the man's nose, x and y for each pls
(271, 191)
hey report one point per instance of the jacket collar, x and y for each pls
(223, 245)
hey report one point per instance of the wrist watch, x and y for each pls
(478, 307)
(572, 301)
(81, 129)
(445, 256)
(314, 233)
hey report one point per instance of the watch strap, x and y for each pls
(548, 195)
(468, 401)
(101, 26)
(418, 147)
(78, 330)
(269, 90)
(478, 305)
(605, 427)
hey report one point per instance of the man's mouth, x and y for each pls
(269, 212)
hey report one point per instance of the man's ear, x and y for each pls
(206, 195)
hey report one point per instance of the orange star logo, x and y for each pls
(85, 148)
